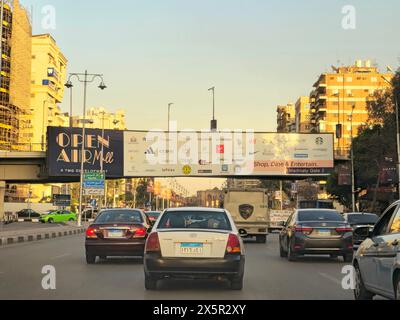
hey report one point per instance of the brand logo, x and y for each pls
(319, 141)
(246, 211)
(187, 170)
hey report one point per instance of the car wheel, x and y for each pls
(360, 292)
(50, 220)
(282, 252)
(90, 259)
(237, 283)
(261, 239)
(334, 256)
(397, 288)
(150, 283)
(291, 255)
(348, 257)
(71, 220)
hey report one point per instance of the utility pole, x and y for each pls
(214, 124)
(353, 187)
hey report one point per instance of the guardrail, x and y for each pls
(24, 147)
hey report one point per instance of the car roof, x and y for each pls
(318, 209)
(361, 213)
(195, 209)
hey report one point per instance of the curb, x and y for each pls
(4, 241)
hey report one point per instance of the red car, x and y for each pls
(117, 232)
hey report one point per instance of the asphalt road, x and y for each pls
(268, 277)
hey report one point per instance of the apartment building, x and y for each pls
(339, 100)
(286, 119)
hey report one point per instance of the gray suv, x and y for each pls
(377, 261)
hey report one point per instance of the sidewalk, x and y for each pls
(28, 232)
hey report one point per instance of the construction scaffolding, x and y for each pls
(15, 71)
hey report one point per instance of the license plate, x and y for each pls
(191, 248)
(324, 232)
(115, 233)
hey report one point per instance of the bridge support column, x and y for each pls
(2, 193)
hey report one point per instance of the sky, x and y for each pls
(257, 53)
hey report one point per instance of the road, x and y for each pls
(268, 277)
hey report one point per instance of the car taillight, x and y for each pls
(91, 233)
(344, 229)
(140, 233)
(233, 245)
(304, 230)
(153, 243)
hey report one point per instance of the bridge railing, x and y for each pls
(23, 147)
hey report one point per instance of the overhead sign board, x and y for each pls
(93, 183)
(222, 154)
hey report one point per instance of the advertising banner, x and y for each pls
(64, 151)
(224, 154)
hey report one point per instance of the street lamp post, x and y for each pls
(353, 188)
(70, 107)
(87, 78)
(214, 125)
(169, 115)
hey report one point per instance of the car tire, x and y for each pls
(237, 284)
(334, 256)
(348, 257)
(150, 283)
(71, 220)
(90, 259)
(50, 220)
(360, 291)
(291, 255)
(282, 252)
(397, 288)
(261, 239)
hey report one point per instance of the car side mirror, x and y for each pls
(366, 232)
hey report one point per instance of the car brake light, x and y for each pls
(233, 245)
(305, 230)
(153, 243)
(91, 233)
(140, 233)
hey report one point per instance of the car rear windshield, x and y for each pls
(120, 216)
(320, 215)
(363, 218)
(195, 220)
(153, 214)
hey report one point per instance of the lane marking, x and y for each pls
(61, 256)
(331, 278)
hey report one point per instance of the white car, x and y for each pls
(194, 243)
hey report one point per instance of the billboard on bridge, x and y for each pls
(222, 154)
(64, 151)
(190, 153)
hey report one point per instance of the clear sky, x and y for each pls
(257, 53)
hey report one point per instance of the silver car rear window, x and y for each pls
(195, 220)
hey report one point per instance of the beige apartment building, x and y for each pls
(286, 119)
(49, 71)
(303, 116)
(341, 93)
(100, 118)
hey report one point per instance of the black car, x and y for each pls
(117, 232)
(28, 214)
(316, 231)
(358, 221)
